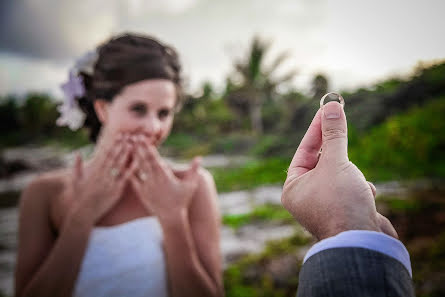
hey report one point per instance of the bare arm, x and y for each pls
(191, 270)
(191, 243)
(205, 221)
(47, 266)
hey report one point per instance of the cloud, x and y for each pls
(20, 75)
(51, 29)
(62, 29)
(352, 42)
(203, 31)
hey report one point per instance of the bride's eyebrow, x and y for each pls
(138, 102)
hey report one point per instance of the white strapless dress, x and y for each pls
(124, 260)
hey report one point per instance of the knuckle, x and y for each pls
(346, 167)
(334, 133)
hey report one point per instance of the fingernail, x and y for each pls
(332, 111)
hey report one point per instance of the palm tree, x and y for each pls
(320, 86)
(256, 82)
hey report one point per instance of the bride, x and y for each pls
(122, 223)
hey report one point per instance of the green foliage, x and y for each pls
(66, 138)
(255, 83)
(205, 116)
(409, 145)
(401, 204)
(182, 145)
(251, 174)
(271, 145)
(395, 127)
(234, 143)
(418, 218)
(9, 115)
(267, 212)
(251, 276)
(33, 121)
(39, 114)
(320, 86)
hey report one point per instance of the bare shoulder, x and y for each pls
(44, 187)
(205, 201)
(206, 177)
(207, 186)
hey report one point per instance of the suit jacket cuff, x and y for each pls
(372, 240)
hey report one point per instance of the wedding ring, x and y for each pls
(142, 176)
(114, 172)
(332, 95)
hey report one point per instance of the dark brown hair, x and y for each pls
(124, 60)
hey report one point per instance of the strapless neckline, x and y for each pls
(125, 259)
(126, 224)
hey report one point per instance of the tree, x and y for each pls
(255, 82)
(39, 114)
(320, 86)
(9, 114)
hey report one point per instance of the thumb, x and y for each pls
(78, 167)
(386, 226)
(192, 172)
(334, 132)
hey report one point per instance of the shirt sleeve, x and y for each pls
(372, 240)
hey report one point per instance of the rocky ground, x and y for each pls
(262, 251)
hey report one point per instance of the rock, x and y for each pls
(8, 236)
(16, 183)
(9, 168)
(252, 239)
(267, 195)
(282, 269)
(233, 203)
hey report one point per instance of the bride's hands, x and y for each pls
(97, 186)
(161, 191)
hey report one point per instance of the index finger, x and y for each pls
(152, 155)
(306, 156)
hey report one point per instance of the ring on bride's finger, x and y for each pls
(332, 95)
(114, 172)
(142, 176)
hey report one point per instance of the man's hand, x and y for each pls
(328, 194)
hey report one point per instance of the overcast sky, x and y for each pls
(355, 43)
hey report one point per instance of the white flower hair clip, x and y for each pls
(70, 113)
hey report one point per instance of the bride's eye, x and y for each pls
(140, 109)
(163, 113)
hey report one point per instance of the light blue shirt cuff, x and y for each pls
(371, 240)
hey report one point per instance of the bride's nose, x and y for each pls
(151, 125)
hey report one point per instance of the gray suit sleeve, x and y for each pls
(353, 272)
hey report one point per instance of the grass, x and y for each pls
(251, 174)
(69, 139)
(252, 276)
(267, 212)
(398, 204)
(419, 219)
